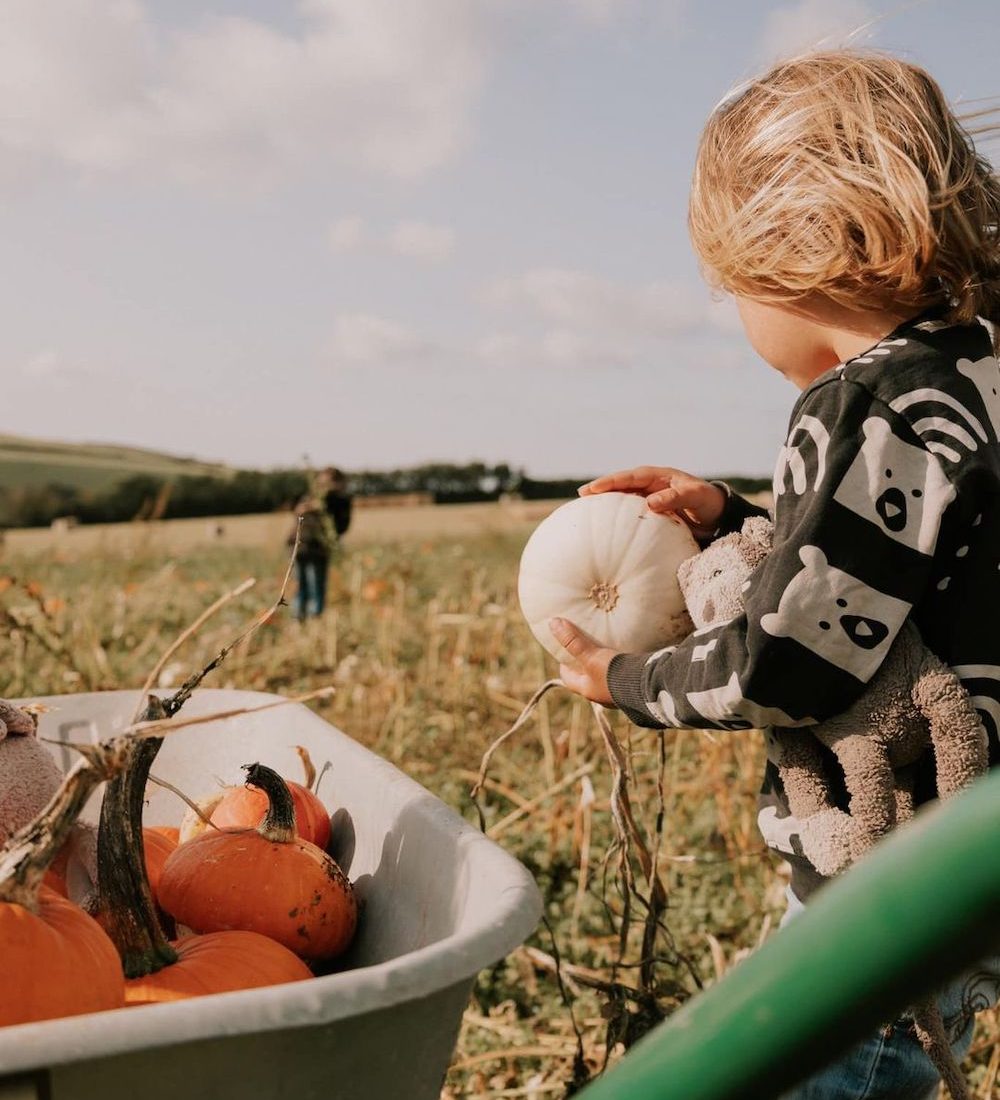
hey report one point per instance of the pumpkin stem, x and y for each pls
(125, 906)
(279, 821)
(27, 855)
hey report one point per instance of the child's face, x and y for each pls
(788, 338)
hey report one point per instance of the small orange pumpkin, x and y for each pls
(171, 832)
(245, 807)
(57, 961)
(155, 969)
(156, 847)
(265, 880)
(218, 963)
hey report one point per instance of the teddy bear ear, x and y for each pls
(760, 530)
(755, 540)
(684, 570)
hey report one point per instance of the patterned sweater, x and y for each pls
(887, 505)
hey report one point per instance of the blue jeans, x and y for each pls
(310, 597)
(891, 1064)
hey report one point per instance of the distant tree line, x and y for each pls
(251, 491)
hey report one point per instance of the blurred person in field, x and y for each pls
(322, 517)
(332, 486)
(842, 204)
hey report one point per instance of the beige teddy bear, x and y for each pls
(914, 702)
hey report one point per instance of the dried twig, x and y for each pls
(188, 633)
(307, 766)
(189, 802)
(154, 729)
(488, 755)
(532, 803)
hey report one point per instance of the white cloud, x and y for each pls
(812, 24)
(346, 234)
(96, 85)
(47, 364)
(366, 339)
(583, 301)
(576, 318)
(421, 240)
(555, 347)
(417, 240)
(42, 364)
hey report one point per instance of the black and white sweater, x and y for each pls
(886, 505)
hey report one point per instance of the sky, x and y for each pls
(385, 232)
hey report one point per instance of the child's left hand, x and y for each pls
(588, 675)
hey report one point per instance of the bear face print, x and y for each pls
(898, 487)
(984, 374)
(836, 616)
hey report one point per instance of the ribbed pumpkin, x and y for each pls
(608, 564)
(157, 970)
(57, 961)
(220, 962)
(264, 880)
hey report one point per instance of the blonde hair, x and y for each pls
(846, 174)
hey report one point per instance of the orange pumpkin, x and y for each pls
(156, 847)
(171, 832)
(265, 880)
(245, 807)
(218, 963)
(57, 961)
(157, 970)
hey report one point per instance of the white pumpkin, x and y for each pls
(608, 564)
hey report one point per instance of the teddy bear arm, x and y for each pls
(802, 772)
(960, 743)
(868, 774)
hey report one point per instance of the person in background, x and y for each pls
(316, 541)
(337, 499)
(322, 517)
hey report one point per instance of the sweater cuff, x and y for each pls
(625, 684)
(735, 511)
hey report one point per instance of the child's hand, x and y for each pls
(588, 675)
(698, 503)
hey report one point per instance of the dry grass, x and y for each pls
(426, 644)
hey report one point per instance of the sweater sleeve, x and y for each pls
(736, 510)
(858, 506)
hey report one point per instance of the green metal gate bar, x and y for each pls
(919, 909)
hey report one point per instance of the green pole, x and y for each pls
(916, 911)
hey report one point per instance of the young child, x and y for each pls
(842, 204)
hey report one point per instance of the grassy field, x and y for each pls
(425, 643)
(28, 463)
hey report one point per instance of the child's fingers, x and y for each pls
(640, 479)
(578, 643)
(675, 500)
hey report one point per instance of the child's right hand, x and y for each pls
(697, 502)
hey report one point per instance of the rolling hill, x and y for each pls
(28, 462)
